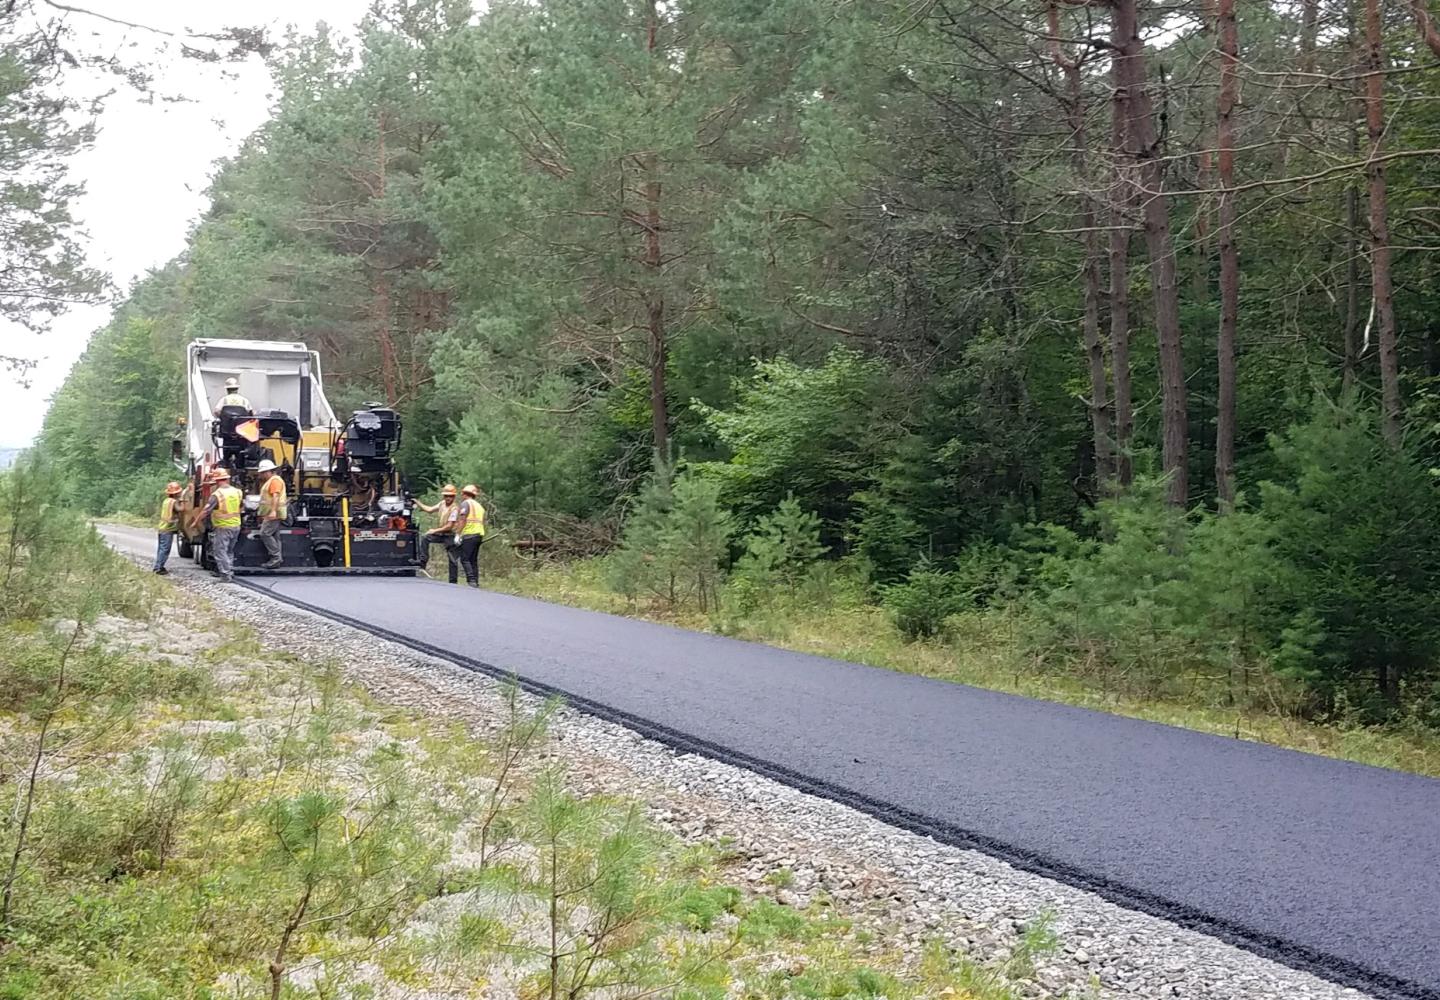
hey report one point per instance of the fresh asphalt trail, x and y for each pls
(1322, 864)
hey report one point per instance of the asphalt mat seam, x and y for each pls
(1300, 957)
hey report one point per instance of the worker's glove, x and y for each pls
(456, 539)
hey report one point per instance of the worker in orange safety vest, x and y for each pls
(273, 510)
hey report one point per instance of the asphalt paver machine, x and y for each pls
(349, 511)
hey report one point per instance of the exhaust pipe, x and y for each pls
(304, 415)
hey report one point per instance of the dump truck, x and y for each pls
(349, 510)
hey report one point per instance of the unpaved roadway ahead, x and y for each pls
(1324, 864)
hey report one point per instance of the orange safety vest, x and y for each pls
(444, 514)
(273, 499)
(227, 509)
(169, 520)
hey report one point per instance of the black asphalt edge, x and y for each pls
(1305, 959)
(285, 571)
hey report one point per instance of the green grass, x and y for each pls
(981, 650)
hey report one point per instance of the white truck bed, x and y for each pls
(269, 373)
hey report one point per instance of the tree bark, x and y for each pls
(380, 283)
(1090, 269)
(1229, 256)
(1200, 282)
(389, 365)
(1121, 228)
(1379, 224)
(654, 265)
(1309, 29)
(1350, 363)
(1351, 346)
(1423, 23)
(1142, 152)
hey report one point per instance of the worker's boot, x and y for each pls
(272, 564)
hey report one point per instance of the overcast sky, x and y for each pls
(146, 175)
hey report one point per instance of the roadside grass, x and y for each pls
(979, 649)
(211, 818)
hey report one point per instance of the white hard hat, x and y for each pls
(232, 383)
(265, 466)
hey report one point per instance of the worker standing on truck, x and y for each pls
(468, 531)
(166, 525)
(232, 396)
(442, 532)
(272, 511)
(223, 509)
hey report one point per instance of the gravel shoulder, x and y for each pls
(800, 849)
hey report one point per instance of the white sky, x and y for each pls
(146, 175)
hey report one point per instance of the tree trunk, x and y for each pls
(380, 285)
(1379, 223)
(1229, 257)
(1090, 270)
(277, 961)
(382, 313)
(1121, 227)
(1204, 174)
(1309, 28)
(1142, 153)
(654, 265)
(1424, 25)
(1351, 361)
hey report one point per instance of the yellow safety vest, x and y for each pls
(227, 511)
(273, 499)
(474, 515)
(169, 520)
(234, 399)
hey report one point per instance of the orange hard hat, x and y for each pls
(470, 489)
(172, 489)
(221, 473)
(448, 490)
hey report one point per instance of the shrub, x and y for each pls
(781, 552)
(920, 605)
(886, 537)
(1157, 594)
(1359, 531)
(674, 543)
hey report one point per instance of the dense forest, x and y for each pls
(1115, 318)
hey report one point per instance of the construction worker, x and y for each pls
(467, 532)
(223, 509)
(442, 533)
(272, 511)
(166, 525)
(232, 396)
